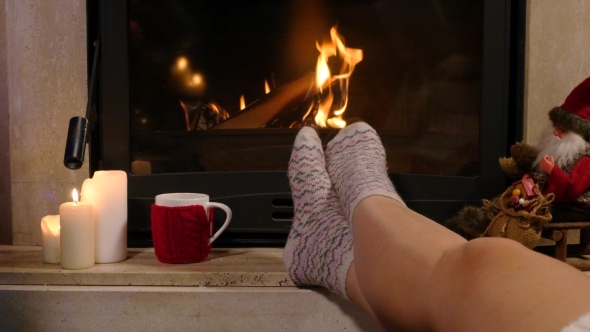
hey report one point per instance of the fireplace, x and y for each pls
(207, 96)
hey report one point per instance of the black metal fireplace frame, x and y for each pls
(257, 197)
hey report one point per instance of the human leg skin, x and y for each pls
(417, 275)
(319, 247)
(356, 296)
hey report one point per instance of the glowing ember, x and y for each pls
(350, 57)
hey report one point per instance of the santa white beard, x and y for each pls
(565, 150)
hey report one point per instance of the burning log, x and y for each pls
(294, 95)
(285, 97)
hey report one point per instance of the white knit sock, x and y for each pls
(319, 247)
(356, 163)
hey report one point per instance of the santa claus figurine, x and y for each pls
(562, 157)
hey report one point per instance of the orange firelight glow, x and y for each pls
(222, 114)
(266, 87)
(350, 57)
(181, 63)
(242, 102)
(197, 79)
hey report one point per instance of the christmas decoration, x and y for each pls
(556, 171)
(513, 221)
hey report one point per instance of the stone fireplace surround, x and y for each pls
(43, 84)
(240, 289)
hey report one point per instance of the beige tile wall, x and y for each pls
(5, 183)
(557, 57)
(46, 76)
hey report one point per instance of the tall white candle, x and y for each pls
(50, 239)
(77, 234)
(107, 192)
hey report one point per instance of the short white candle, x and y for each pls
(50, 239)
(77, 234)
(107, 192)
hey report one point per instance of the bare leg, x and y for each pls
(356, 296)
(417, 275)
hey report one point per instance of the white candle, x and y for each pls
(77, 234)
(107, 192)
(50, 239)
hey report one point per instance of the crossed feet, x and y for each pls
(326, 189)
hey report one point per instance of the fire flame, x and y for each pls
(350, 57)
(320, 111)
(75, 196)
(221, 113)
(242, 102)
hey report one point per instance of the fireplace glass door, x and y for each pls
(218, 86)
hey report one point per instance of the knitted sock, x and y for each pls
(356, 163)
(319, 247)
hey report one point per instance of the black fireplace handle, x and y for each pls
(78, 128)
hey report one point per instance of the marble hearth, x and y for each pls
(244, 289)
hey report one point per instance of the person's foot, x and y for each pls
(319, 247)
(357, 167)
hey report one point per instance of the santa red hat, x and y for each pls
(574, 114)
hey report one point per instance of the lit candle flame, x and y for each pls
(75, 196)
(242, 102)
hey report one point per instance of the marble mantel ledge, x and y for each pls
(236, 267)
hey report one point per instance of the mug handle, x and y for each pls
(227, 219)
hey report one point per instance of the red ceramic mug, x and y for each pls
(182, 225)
